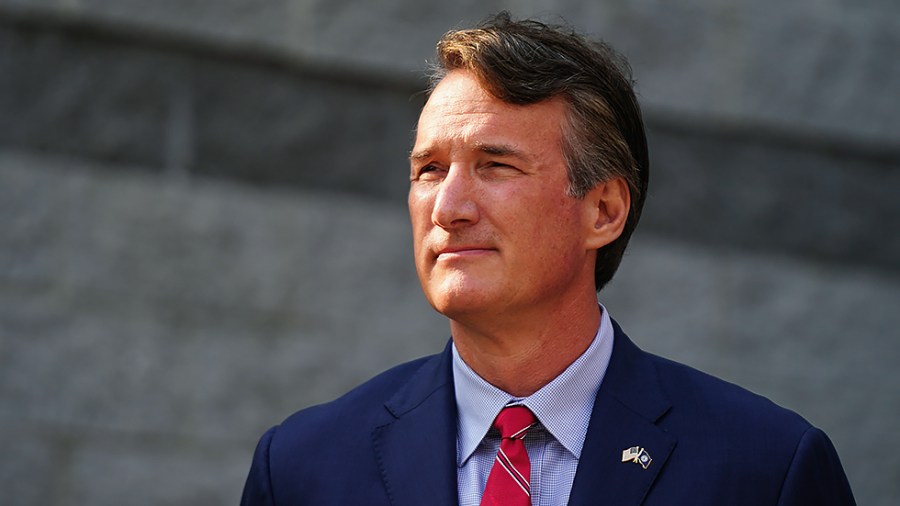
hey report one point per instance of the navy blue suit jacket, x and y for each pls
(392, 441)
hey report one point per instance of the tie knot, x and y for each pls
(513, 422)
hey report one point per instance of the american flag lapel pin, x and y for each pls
(637, 455)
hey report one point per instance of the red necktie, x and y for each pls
(508, 483)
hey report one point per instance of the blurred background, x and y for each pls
(203, 221)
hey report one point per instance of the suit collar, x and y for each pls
(421, 432)
(632, 378)
(567, 398)
(629, 404)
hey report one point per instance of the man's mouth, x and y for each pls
(450, 252)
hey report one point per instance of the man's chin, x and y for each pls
(461, 302)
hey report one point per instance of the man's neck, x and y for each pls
(524, 353)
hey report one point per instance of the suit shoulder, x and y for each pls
(363, 406)
(296, 460)
(744, 445)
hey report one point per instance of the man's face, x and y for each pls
(494, 230)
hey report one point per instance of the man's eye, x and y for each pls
(500, 168)
(429, 172)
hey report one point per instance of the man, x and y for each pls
(528, 175)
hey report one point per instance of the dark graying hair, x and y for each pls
(526, 62)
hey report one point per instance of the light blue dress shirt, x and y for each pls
(563, 408)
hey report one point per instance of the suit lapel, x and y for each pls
(416, 449)
(628, 405)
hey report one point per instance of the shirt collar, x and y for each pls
(562, 406)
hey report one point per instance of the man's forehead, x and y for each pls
(461, 108)
(460, 93)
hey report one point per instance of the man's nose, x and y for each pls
(456, 202)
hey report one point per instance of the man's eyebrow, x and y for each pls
(502, 150)
(491, 149)
(419, 155)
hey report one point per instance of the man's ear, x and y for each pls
(606, 207)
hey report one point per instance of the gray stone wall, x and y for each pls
(202, 223)
(151, 329)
